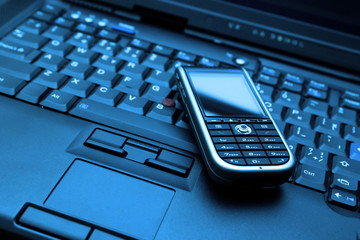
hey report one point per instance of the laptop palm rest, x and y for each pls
(111, 200)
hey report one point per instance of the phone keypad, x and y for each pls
(247, 143)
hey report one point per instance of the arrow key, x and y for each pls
(342, 198)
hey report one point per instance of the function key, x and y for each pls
(293, 78)
(351, 103)
(218, 126)
(226, 147)
(82, 27)
(64, 22)
(188, 57)
(162, 50)
(230, 154)
(33, 26)
(286, 85)
(247, 139)
(220, 133)
(351, 95)
(223, 139)
(267, 79)
(109, 35)
(46, 17)
(208, 62)
(235, 161)
(270, 71)
(263, 126)
(270, 139)
(145, 45)
(316, 93)
(318, 85)
(55, 10)
(257, 161)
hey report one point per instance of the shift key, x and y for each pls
(18, 69)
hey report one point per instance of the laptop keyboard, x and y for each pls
(68, 62)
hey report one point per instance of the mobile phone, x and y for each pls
(239, 140)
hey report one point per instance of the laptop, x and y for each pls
(95, 143)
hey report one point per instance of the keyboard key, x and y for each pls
(267, 132)
(33, 26)
(255, 154)
(50, 61)
(131, 85)
(325, 125)
(160, 112)
(52, 9)
(27, 39)
(355, 151)
(32, 92)
(135, 104)
(270, 140)
(223, 139)
(293, 78)
(352, 133)
(131, 54)
(334, 98)
(286, 85)
(142, 44)
(176, 64)
(277, 161)
(312, 92)
(160, 78)
(156, 61)
(134, 70)
(247, 139)
(318, 85)
(344, 182)
(344, 115)
(289, 99)
(297, 117)
(218, 126)
(81, 40)
(108, 35)
(184, 56)
(162, 50)
(311, 177)
(64, 22)
(257, 161)
(270, 71)
(277, 153)
(227, 147)
(106, 47)
(235, 161)
(57, 33)
(58, 100)
(50, 79)
(351, 103)
(250, 146)
(229, 154)
(106, 95)
(214, 133)
(267, 79)
(274, 109)
(43, 16)
(156, 93)
(103, 77)
(10, 85)
(332, 144)
(85, 28)
(343, 199)
(314, 157)
(108, 63)
(57, 47)
(78, 87)
(274, 146)
(351, 95)
(18, 69)
(206, 62)
(347, 167)
(82, 55)
(316, 107)
(301, 135)
(77, 69)
(183, 121)
(15, 51)
(265, 91)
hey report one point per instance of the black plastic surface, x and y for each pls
(111, 200)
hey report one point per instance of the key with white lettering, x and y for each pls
(16, 51)
(81, 40)
(82, 55)
(18, 69)
(26, 39)
(132, 69)
(346, 166)
(135, 104)
(162, 113)
(103, 77)
(344, 182)
(332, 144)
(108, 63)
(311, 177)
(156, 61)
(77, 69)
(156, 93)
(10, 85)
(314, 157)
(33, 26)
(57, 33)
(58, 100)
(106, 47)
(50, 61)
(78, 87)
(50, 79)
(343, 199)
(57, 47)
(131, 85)
(325, 125)
(160, 78)
(131, 54)
(106, 95)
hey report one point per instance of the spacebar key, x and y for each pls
(18, 69)
(137, 124)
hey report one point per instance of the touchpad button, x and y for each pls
(111, 200)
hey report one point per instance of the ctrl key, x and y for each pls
(311, 177)
(343, 199)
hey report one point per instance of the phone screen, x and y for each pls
(225, 93)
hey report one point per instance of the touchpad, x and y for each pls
(111, 200)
